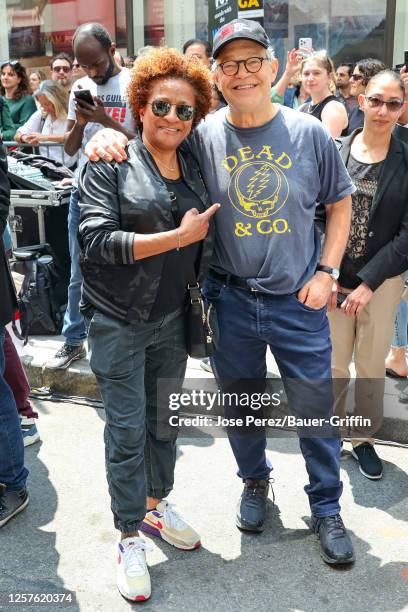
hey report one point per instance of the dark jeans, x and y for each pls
(128, 360)
(16, 379)
(299, 339)
(12, 471)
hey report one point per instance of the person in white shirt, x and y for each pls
(49, 123)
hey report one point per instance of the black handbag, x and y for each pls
(200, 315)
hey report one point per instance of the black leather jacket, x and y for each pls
(116, 201)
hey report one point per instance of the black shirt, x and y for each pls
(316, 110)
(365, 177)
(171, 294)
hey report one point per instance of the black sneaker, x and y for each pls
(369, 462)
(251, 507)
(65, 356)
(11, 503)
(335, 544)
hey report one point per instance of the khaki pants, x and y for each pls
(369, 337)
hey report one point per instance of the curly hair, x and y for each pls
(165, 63)
(23, 88)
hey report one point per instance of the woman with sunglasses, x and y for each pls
(134, 250)
(363, 71)
(77, 71)
(371, 282)
(15, 89)
(318, 80)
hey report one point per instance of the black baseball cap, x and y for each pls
(240, 28)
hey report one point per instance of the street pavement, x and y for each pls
(65, 540)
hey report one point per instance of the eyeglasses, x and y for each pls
(356, 77)
(252, 64)
(75, 65)
(65, 69)
(161, 108)
(393, 106)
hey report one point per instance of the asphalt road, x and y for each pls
(64, 541)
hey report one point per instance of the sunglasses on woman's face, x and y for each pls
(356, 77)
(393, 106)
(184, 112)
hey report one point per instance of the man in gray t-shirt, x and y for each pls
(270, 285)
(268, 179)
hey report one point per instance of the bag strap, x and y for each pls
(190, 276)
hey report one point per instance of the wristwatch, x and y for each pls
(334, 272)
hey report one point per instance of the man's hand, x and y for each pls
(107, 144)
(194, 225)
(357, 300)
(93, 113)
(317, 292)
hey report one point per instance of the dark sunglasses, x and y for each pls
(392, 105)
(184, 112)
(356, 77)
(75, 65)
(65, 69)
(12, 63)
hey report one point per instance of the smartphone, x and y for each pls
(406, 60)
(85, 95)
(306, 46)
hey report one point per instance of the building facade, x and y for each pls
(34, 30)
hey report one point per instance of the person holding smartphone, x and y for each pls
(371, 280)
(96, 100)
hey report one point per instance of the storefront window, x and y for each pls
(38, 29)
(401, 32)
(154, 22)
(348, 29)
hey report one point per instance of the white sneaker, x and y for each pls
(166, 523)
(29, 431)
(132, 576)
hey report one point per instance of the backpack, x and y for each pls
(40, 311)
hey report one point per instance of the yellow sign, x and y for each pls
(248, 4)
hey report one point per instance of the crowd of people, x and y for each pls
(191, 156)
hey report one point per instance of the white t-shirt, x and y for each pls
(56, 127)
(114, 97)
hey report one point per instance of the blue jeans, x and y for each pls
(74, 328)
(401, 326)
(299, 339)
(12, 471)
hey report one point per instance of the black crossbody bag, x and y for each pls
(200, 337)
